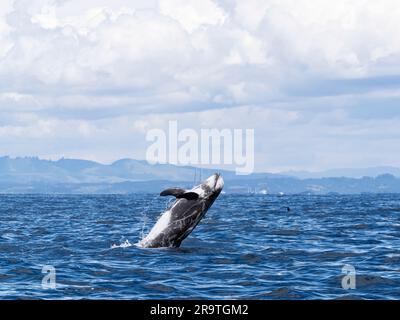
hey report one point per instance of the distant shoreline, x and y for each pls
(31, 175)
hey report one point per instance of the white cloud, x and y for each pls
(192, 14)
(106, 70)
(192, 45)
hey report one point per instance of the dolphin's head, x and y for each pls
(210, 188)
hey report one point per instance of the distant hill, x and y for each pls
(33, 169)
(34, 175)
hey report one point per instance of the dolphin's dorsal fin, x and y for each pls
(179, 193)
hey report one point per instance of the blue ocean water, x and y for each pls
(246, 247)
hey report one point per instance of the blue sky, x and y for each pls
(319, 81)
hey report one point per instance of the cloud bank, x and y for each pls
(318, 81)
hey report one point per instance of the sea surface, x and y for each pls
(246, 247)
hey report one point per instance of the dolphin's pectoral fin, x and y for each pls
(172, 192)
(179, 194)
(188, 196)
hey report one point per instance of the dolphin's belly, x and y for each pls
(183, 217)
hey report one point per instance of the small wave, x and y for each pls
(124, 244)
(285, 232)
(250, 258)
(283, 293)
(159, 287)
(371, 280)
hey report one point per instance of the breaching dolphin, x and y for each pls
(185, 213)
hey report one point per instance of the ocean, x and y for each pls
(246, 247)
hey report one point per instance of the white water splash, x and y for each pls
(124, 244)
(144, 230)
(144, 225)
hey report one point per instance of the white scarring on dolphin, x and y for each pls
(182, 217)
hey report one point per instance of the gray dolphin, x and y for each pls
(182, 217)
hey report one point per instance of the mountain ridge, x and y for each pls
(35, 175)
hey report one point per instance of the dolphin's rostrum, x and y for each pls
(182, 217)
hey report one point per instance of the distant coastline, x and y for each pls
(76, 176)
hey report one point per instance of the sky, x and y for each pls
(318, 81)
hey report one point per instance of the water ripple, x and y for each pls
(247, 247)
